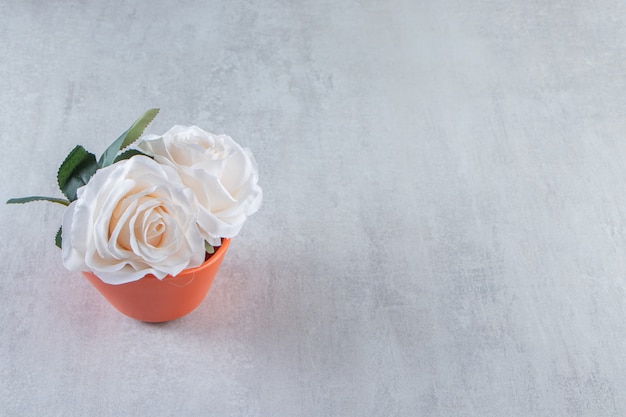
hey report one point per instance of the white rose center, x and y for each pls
(222, 175)
(133, 218)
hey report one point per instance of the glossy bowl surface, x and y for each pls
(152, 300)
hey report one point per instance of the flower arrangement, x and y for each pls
(157, 207)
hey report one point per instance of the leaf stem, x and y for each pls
(23, 200)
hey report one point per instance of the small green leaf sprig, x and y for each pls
(80, 165)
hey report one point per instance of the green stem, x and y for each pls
(23, 200)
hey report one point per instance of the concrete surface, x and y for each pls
(443, 232)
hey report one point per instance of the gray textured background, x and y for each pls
(443, 231)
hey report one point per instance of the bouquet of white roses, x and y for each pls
(157, 207)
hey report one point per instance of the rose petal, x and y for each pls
(110, 229)
(222, 174)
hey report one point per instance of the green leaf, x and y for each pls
(132, 134)
(23, 200)
(136, 130)
(75, 171)
(209, 249)
(57, 238)
(129, 154)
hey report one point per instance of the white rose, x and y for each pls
(133, 218)
(221, 173)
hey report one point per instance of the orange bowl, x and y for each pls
(152, 300)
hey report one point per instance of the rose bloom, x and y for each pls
(133, 218)
(221, 173)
